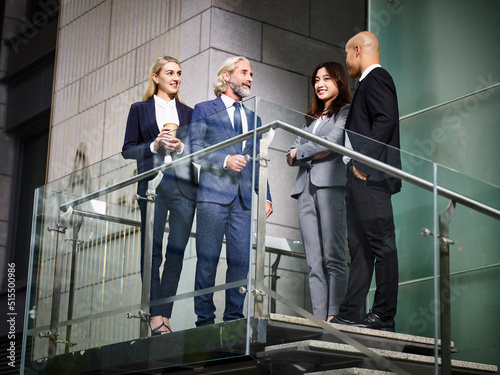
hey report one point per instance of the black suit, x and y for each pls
(370, 224)
(176, 194)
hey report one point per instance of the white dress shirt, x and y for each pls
(228, 102)
(166, 113)
(317, 122)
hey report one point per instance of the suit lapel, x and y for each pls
(250, 123)
(151, 120)
(310, 129)
(221, 111)
(347, 122)
(182, 113)
(250, 118)
(321, 124)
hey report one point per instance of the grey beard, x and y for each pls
(238, 88)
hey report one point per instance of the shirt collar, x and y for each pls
(368, 70)
(228, 102)
(163, 103)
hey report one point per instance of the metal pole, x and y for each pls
(61, 227)
(274, 281)
(148, 253)
(71, 294)
(261, 224)
(444, 286)
(435, 269)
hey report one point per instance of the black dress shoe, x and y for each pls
(373, 321)
(337, 319)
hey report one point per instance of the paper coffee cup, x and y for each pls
(173, 129)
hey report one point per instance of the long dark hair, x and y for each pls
(339, 75)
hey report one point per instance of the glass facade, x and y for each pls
(447, 80)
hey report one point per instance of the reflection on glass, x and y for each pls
(101, 279)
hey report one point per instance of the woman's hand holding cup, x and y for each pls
(169, 140)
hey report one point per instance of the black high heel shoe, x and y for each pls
(156, 331)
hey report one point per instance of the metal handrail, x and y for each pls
(164, 167)
(446, 193)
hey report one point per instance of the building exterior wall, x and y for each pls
(105, 49)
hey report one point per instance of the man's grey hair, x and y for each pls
(229, 66)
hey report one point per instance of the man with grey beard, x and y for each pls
(225, 192)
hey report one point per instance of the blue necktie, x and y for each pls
(238, 126)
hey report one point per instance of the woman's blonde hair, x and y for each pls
(152, 87)
(227, 66)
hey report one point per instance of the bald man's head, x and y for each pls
(362, 50)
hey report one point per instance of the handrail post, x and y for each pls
(77, 225)
(148, 253)
(261, 223)
(62, 225)
(444, 287)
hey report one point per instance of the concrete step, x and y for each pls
(331, 354)
(352, 371)
(368, 337)
(279, 345)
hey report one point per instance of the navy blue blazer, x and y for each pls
(211, 125)
(142, 129)
(374, 115)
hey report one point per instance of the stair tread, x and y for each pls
(364, 331)
(351, 371)
(331, 347)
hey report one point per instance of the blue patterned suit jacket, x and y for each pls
(211, 125)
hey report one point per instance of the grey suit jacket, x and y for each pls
(326, 172)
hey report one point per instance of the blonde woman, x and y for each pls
(152, 144)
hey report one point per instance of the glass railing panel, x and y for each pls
(477, 233)
(100, 280)
(413, 210)
(456, 134)
(474, 297)
(283, 239)
(288, 275)
(459, 134)
(93, 281)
